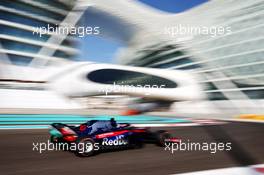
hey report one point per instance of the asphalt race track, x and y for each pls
(247, 141)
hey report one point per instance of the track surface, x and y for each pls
(247, 140)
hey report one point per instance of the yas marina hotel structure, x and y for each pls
(219, 42)
(21, 44)
(28, 58)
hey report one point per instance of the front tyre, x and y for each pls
(161, 137)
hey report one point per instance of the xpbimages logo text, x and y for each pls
(41, 147)
(212, 147)
(81, 147)
(125, 87)
(79, 31)
(191, 30)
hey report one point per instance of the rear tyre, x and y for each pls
(85, 147)
(54, 139)
(161, 137)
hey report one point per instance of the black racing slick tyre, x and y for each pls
(85, 147)
(161, 137)
(54, 139)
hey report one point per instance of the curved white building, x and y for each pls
(91, 79)
(229, 62)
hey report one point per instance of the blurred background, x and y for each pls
(227, 71)
(229, 67)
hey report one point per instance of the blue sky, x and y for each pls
(98, 49)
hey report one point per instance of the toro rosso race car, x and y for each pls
(94, 136)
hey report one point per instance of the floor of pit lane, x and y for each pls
(17, 157)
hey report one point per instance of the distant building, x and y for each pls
(229, 64)
(26, 58)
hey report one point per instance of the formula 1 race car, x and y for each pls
(94, 136)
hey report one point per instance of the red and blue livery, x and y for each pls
(97, 136)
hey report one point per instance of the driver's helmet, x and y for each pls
(113, 122)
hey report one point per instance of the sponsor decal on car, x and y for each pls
(115, 141)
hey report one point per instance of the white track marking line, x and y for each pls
(248, 170)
